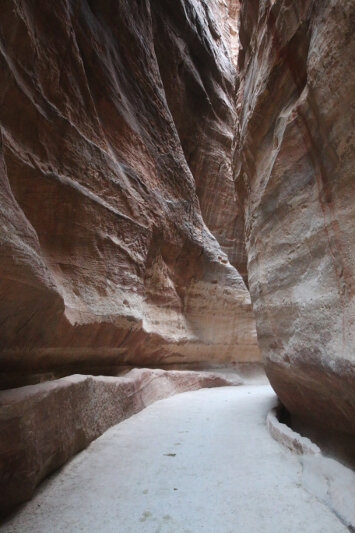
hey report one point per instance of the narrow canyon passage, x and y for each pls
(176, 213)
(200, 461)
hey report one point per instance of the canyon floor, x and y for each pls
(200, 461)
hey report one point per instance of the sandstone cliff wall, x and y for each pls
(294, 170)
(105, 257)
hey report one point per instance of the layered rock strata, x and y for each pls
(43, 425)
(105, 257)
(295, 179)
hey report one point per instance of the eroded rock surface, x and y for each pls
(295, 178)
(105, 256)
(199, 78)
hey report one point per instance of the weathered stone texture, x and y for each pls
(295, 178)
(195, 57)
(105, 257)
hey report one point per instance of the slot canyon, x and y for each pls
(177, 210)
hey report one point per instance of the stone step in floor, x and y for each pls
(198, 462)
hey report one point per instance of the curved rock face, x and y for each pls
(105, 257)
(294, 170)
(199, 80)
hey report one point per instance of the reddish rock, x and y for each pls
(105, 256)
(294, 172)
(199, 82)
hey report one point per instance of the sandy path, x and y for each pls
(197, 462)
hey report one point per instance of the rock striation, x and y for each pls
(294, 169)
(115, 166)
(197, 65)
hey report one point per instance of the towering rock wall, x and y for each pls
(295, 178)
(116, 124)
(195, 49)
